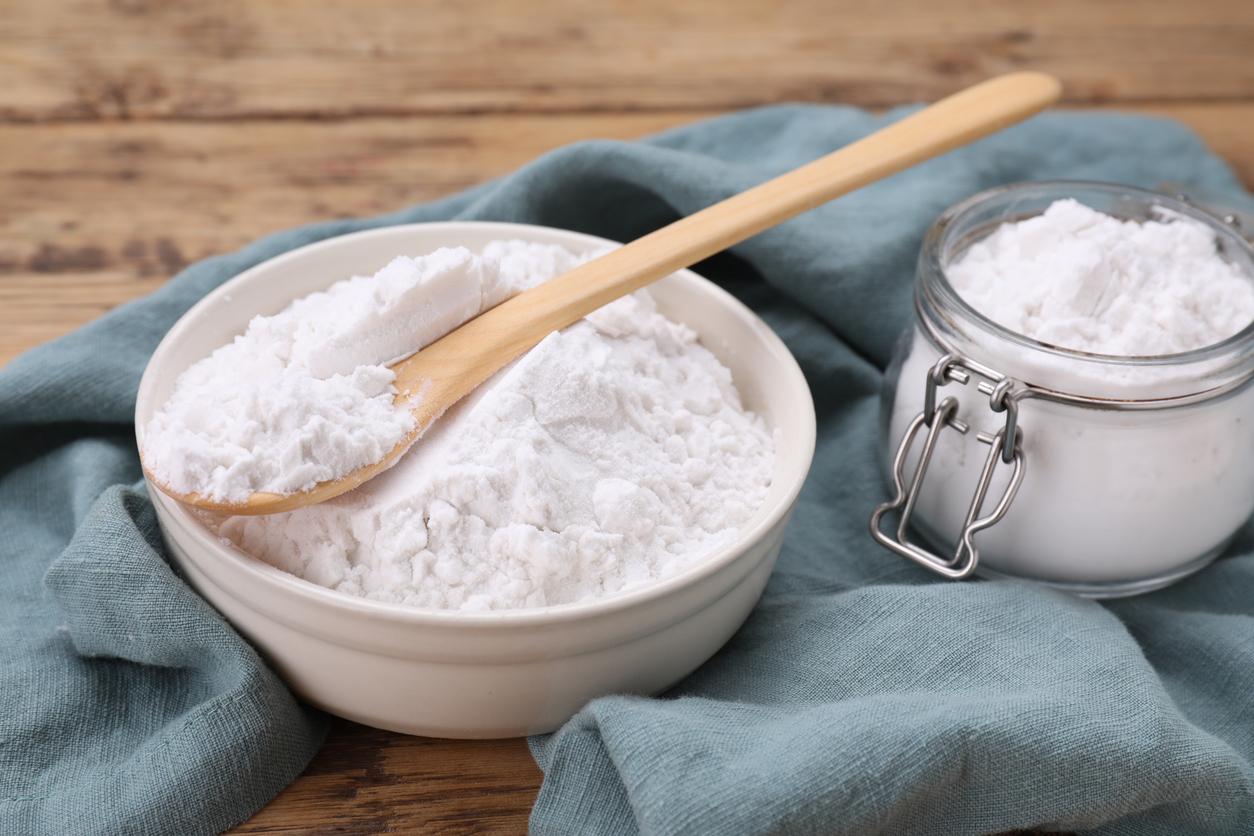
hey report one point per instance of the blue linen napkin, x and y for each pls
(863, 695)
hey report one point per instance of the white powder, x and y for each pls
(615, 453)
(1080, 279)
(305, 395)
(1109, 497)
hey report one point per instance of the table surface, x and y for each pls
(137, 136)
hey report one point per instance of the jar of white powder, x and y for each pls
(1074, 401)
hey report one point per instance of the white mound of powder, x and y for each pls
(1080, 279)
(615, 453)
(305, 395)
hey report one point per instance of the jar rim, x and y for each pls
(942, 229)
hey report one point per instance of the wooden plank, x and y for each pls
(1228, 129)
(369, 781)
(86, 59)
(96, 214)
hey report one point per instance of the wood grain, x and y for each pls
(89, 59)
(93, 214)
(139, 135)
(369, 781)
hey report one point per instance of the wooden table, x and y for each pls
(139, 135)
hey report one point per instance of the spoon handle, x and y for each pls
(476, 350)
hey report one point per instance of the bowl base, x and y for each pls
(1100, 590)
(1118, 589)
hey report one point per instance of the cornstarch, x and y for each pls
(1080, 279)
(615, 453)
(305, 395)
(1112, 498)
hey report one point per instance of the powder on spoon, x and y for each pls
(305, 395)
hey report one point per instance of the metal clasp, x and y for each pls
(1005, 447)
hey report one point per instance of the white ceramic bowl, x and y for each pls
(494, 674)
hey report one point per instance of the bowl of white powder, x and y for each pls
(598, 518)
(1072, 401)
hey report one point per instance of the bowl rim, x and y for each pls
(284, 583)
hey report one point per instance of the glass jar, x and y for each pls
(1100, 474)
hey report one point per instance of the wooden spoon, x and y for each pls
(448, 369)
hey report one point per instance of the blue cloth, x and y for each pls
(862, 696)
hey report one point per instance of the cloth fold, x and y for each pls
(862, 696)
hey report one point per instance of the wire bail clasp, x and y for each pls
(1005, 447)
